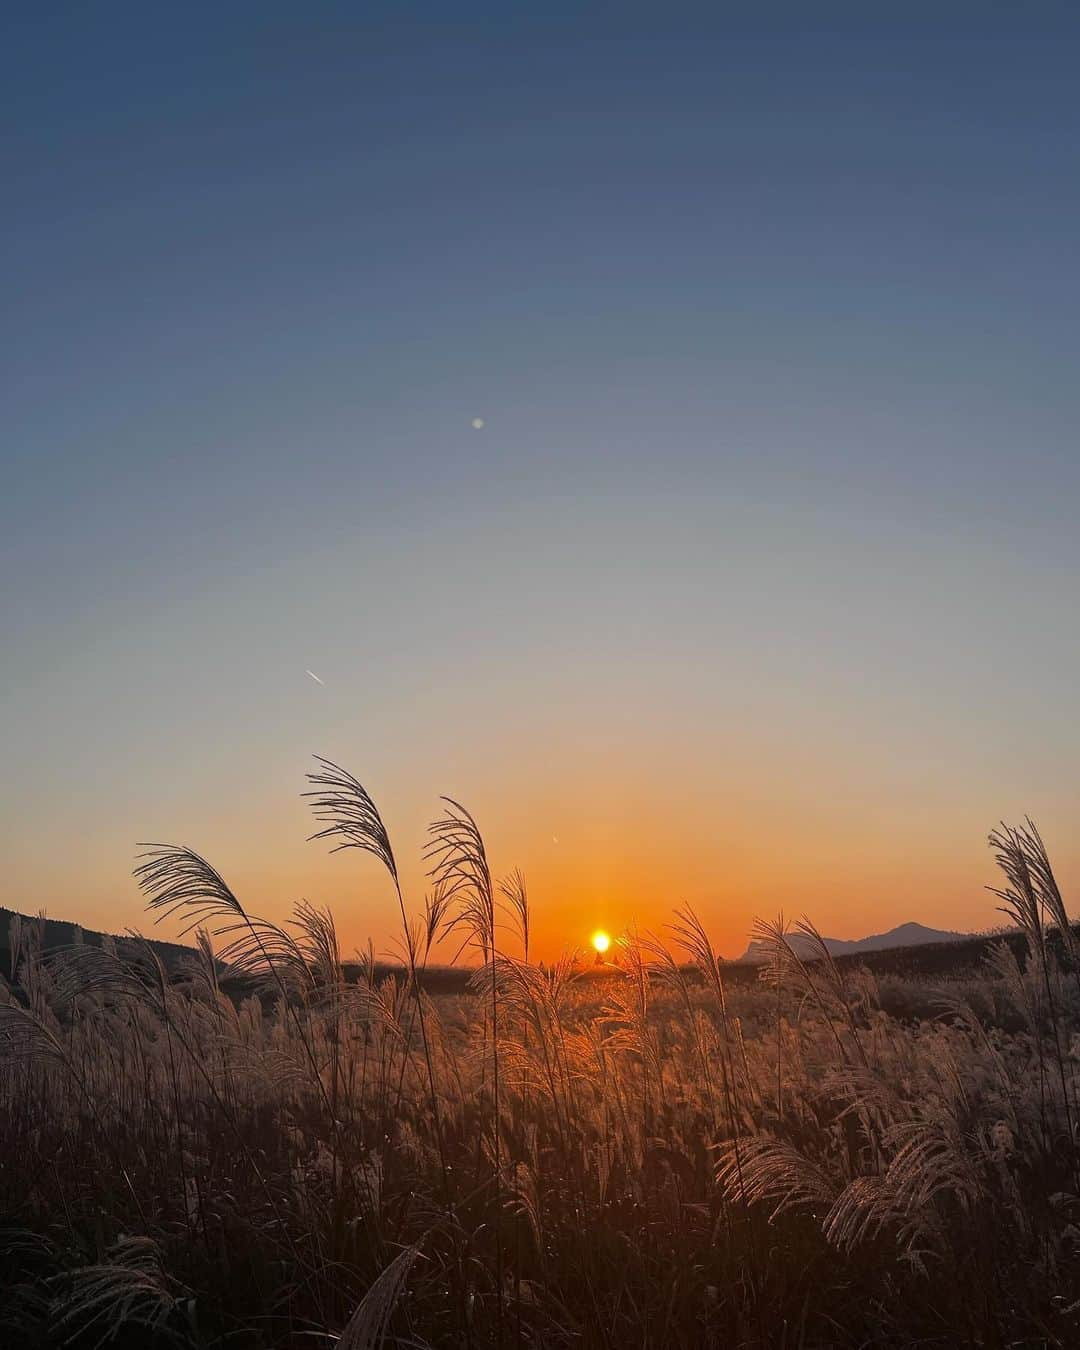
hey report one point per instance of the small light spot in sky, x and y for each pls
(478, 424)
(315, 678)
(554, 838)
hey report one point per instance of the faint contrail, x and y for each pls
(315, 678)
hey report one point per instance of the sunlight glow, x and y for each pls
(601, 942)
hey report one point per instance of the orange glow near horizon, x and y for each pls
(732, 847)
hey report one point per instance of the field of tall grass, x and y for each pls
(648, 1157)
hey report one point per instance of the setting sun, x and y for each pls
(601, 942)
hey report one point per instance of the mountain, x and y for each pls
(55, 933)
(906, 935)
(60, 933)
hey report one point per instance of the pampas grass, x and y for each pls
(269, 1147)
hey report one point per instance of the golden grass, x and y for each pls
(652, 1158)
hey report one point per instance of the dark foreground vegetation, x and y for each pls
(814, 1153)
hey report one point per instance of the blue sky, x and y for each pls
(770, 529)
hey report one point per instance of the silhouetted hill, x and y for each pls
(905, 935)
(61, 933)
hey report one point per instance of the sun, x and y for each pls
(601, 942)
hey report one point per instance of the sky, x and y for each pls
(756, 587)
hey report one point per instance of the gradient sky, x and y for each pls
(758, 587)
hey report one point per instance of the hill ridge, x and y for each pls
(907, 934)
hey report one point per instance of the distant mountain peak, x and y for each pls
(908, 934)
